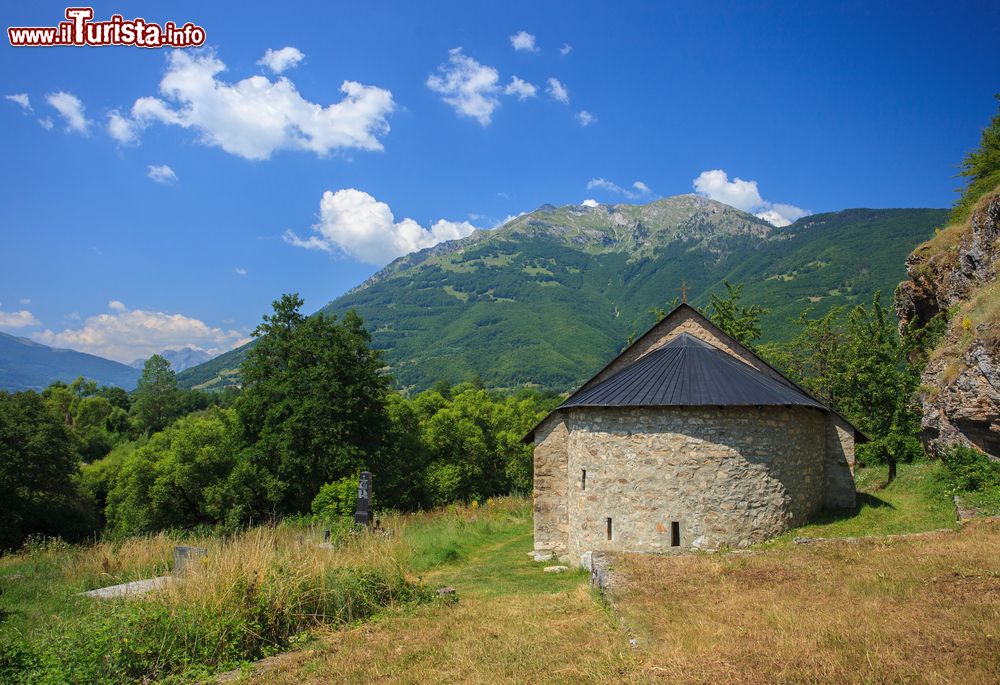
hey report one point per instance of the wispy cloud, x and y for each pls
(21, 99)
(556, 90)
(123, 129)
(636, 191)
(522, 41)
(565, 49)
(522, 89)
(240, 271)
(71, 109)
(586, 118)
(161, 173)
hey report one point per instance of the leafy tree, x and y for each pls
(312, 409)
(739, 321)
(39, 468)
(178, 479)
(473, 443)
(98, 477)
(855, 361)
(157, 400)
(981, 167)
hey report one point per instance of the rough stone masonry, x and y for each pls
(673, 479)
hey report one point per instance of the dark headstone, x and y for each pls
(363, 514)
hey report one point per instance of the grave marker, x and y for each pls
(363, 514)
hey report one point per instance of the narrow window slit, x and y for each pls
(675, 533)
(583, 479)
(609, 527)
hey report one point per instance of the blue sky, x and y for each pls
(210, 194)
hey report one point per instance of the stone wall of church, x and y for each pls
(549, 500)
(699, 477)
(840, 487)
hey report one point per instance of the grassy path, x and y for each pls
(512, 623)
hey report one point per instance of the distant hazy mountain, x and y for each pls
(27, 365)
(552, 295)
(181, 359)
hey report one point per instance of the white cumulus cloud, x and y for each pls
(565, 49)
(21, 99)
(556, 90)
(523, 41)
(522, 89)
(586, 118)
(474, 89)
(256, 117)
(468, 86)
(354, 223)
(70, 109)
(125, 334)
(745, 195)
(281, 60)
(161, 173)
(19, 319)
(590, 202)
(638, 189)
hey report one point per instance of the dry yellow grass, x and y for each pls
(557, 638)
(918, 610)
(511, 624)
(915, 610)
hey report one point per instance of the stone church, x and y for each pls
(687, 440)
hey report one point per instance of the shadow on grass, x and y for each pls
(864, 500)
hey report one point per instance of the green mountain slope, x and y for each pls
(27, 365)
(550, 296)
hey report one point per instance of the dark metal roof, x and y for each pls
(690, 372)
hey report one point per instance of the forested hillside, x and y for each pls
(552, 295)
(28, 365)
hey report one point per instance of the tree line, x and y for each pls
(316, 408)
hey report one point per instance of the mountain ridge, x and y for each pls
(29, 365)
(546, 297)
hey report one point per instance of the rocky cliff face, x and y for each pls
(956, 273)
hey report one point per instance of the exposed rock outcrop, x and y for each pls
(956, 273)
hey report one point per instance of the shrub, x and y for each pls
(970, 470)
(338, 499)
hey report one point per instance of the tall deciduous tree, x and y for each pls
(157, 400)
(312, 408)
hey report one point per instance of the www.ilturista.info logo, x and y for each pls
(79, 29)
